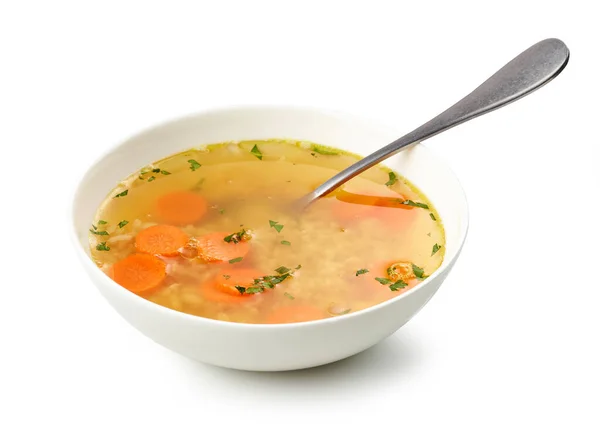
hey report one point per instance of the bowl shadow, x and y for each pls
(393, 359)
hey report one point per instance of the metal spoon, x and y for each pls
(524, 74)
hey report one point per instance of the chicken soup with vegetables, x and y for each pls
(210, 232)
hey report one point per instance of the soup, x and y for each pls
(210, 232)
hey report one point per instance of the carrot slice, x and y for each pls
(348, 208)
(161, 239)
(372, 200)
(213, 248)
(222, 287)
(291, 314)
(181, 208)
(139, 272)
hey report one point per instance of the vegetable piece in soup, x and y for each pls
(211, 233)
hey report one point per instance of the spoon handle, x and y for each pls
(524, 74)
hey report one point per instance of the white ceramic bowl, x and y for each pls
(269, 347)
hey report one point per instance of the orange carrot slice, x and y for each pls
(222, 287)
(213, 248)
(291, 314)
(181, 208)
(139, 272)
(350, 208)
(161, 239)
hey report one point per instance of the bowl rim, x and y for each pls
(88, 263)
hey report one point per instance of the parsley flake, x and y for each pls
(435, 249)
(102, 222)
(288, 295)
(194, 165)
(151, 179)
(102, 247)
(275, 225)
(123, 223)
(236, 260)
(432, 216)
(236, 237)
(163, 172)
(281, 270)
(286, 243)
(383, 281)
(256, 152)
(99, 232)
(120, 195)
(392, 179)
(415, 204)
(419, 272)
(241, 289)
(362, 272)
(398, 285)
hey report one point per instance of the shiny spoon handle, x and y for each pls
(527, 72)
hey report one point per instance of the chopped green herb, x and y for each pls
(362, 271)
(151, 179)
(392, 179)
(221, 210)
(193, 164)
(298, 267)
(383, 281)
(120, 195)
(99, 232)
(102, 222)
(254, 290)
(286, 243)
(281, 270)
(270, 281)
(163, 172)
(226, 276)
(102, 247)
(156, 170)
(398, 285)
(241, 289)
(94, 226)
(323, 150)
(123, 224)
(288, 295)
(256, 152)
(236, 237)
(429, 234)
(432, 216)
(275, 225)
(345, 311)
(435, 249)
(145, 170)
(313, 154)
(417, 271)
(236, 260)
(415, 204)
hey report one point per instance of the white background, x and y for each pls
(510, 340)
